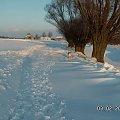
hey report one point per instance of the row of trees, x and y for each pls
(47, 35)
(87, 21)
(50, 34)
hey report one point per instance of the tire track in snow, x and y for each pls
(9, 65)
(35, 98)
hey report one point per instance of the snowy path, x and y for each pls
(32, 97)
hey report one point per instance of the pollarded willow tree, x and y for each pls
(65, 15)
(78, 32)
(103, 19)
(81, 34)
(59, 12)
(65, 29)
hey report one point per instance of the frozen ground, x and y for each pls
(38, 82)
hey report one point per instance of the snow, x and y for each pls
(39, 82)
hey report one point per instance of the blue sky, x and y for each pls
(22, 16)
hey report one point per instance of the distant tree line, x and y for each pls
(87, 21)
(3, 36)
(50, 34)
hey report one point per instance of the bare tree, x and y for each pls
(65, 15)
(50, 34)
(103, 19)
(43, 34)
(80, 33)
(67, 31)
(37, 37)
(59, 12)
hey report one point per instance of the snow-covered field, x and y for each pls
(39, 82)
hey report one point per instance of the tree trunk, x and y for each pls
(80, 47)
(99, 50)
